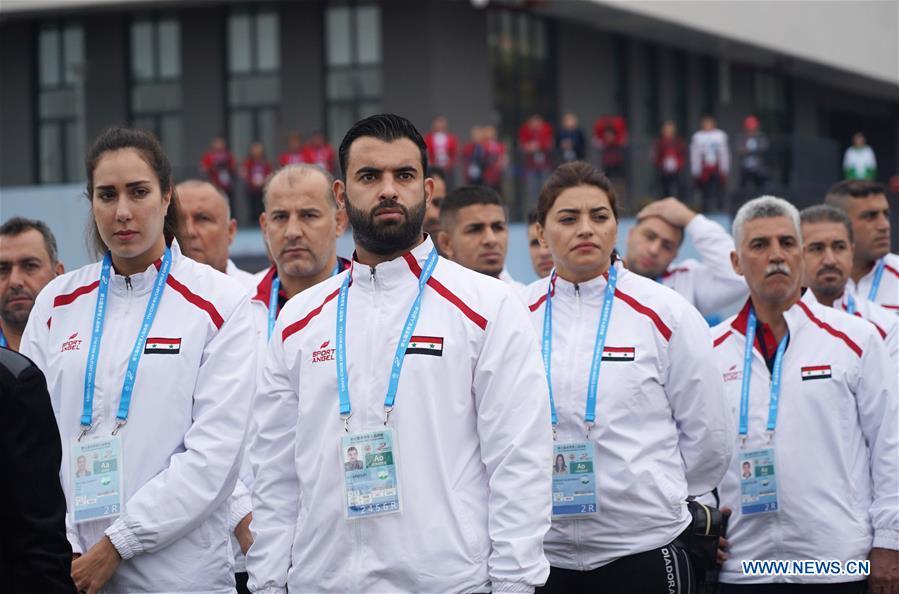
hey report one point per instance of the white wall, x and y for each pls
(860, 36)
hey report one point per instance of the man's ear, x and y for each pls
(735, 263)
(60, 269)
(339, 189)
(342, 221)
(232, 230)
(444, 244)
(539, 229)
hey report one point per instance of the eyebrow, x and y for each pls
(372, 169)
(128, 185)
(577, 210)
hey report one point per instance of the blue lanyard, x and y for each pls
(747, 375)
(3, 342)
(90, 373)
(875, 284)
(601, 332)
(273, 298)
(850, 304)
(343, 391)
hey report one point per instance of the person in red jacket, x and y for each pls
(669, 155)
(294, 153)
(218, 165)
(495, 158)
(443, 146)
(535, 140)
(319, 152)
(255, 170)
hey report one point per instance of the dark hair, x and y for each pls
(853, 188)
(825, 213)
(18, 225)
(151, 151)
(436, 172)
(532, 217)
(572, 175)
(467, 196)
(387, 127)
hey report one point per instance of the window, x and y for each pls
(353, 66)
(254, 86)
(680, 91)
(652, 90)
(709, 80)
(60, 109)
(621, 91)
(156, 82)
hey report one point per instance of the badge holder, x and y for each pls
(758, 482)
(96, 478)
(574, 480)
(371, 483)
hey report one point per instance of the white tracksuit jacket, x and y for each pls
(472, 427)
(662, 431)
(181, 447)
(710, 284)
(888, 292)
(836, 444)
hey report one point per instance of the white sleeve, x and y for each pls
(34, 346)
(276, 497)
(201, 478)
(725, 154)
(878, 414)
(695, 156)
(696, 392)
(515, 432)
(716, 285)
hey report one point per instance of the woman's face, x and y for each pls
(580, 231)
(128, 205)
(560, 460)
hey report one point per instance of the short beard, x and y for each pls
(386, 239)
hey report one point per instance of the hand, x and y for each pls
(884, 578)
(243, 534)
(723, 544)
(93, 569)
(671, 210)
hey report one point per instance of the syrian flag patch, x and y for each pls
(618, 354)
(816, 372)
(425, 345)
(163, 346)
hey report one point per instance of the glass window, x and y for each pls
(169, 49)
(50, 158)
(75, 148)
(267, 39)
(353, 56)
(368, 27)
(239, 43)
(337, 25)
(48, 57)
(142, 50)
(73, 54)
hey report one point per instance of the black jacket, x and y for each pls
(35, 555)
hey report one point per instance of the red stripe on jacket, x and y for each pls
(664, 330)
(302, 323)
(446, 293)
(195, 299)
(70, 297)
(830, 329)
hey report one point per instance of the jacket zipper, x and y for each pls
(129, 288)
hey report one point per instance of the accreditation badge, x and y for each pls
(368, 462)
(574, 480)
(758, 482)
(96, 478)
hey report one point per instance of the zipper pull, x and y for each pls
(577, 290)
(372, 275)
(128, 283)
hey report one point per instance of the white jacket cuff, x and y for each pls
(885, 538)
(271, 590)
(512, 587)
(124, 540)
(240, 507)
(74, 541)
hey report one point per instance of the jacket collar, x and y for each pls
(264, 288)
(142, 282)
(795, 316)
(402, 269)
(591, 289)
